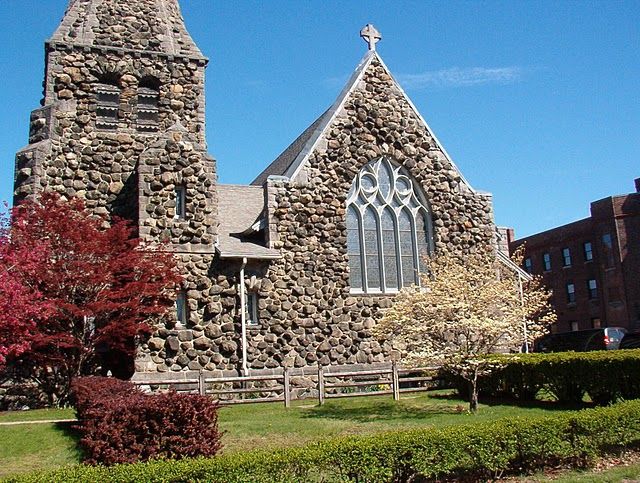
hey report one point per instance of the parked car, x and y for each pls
(631, 340)
(606, 338)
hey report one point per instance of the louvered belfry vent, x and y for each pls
(147, 109)
(107, 106)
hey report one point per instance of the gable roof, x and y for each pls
(293, 159)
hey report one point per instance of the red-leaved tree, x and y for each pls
(77, 294)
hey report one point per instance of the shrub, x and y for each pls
(468, 452)
(605, 376)
(120, 424)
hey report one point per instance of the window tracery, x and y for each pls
(389, 229)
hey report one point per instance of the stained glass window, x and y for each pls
(389, 230)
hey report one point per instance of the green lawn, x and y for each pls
(611, 475)
(39, 446)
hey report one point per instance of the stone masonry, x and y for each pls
(292, 248)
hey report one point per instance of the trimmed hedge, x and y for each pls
(120, 424)
(605, 376)
(475, 451)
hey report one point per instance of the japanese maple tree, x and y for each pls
(78, 292)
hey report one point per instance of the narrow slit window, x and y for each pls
(182, 315)
(252, 308)
(107, 106)
(181, 202)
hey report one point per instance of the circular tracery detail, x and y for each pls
(389, 229)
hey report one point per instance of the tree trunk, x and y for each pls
(473, 395)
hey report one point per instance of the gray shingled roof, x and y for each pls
(239, 207)
(296, 153)
(281, 164)
(289, 163)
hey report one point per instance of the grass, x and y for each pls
(46, 446)
(610, 475)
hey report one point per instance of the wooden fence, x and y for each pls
(392, 380)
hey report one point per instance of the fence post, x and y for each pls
(287, 388)
(201, 384)
(395, 381)
(320, 385)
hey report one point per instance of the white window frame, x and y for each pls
(405, 195)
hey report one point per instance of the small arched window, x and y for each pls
(389, 231)
(107, 106)
(148, 95)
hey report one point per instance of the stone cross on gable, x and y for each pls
(370, 35)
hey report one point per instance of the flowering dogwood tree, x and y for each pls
(77, 293)
(466, 308)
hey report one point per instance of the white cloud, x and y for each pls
(457, 77)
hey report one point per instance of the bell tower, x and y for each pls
(122, 122)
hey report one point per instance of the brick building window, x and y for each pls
(571, 293)
(389, 230)
(574, 325)
(566, 257)
(596, 323)
(107, 106)
(592, 288)
(607, 244)
(588, 251)
(528, 265)
(546, 262)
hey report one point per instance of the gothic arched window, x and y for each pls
(389, 229)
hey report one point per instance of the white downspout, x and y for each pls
(524, 321)
(243, 318)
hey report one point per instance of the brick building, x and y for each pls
(592, 265)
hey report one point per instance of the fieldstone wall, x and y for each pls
(306, 308)
(128, 172)
(100, 166)
(307, 314)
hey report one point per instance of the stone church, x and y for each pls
(292, 270)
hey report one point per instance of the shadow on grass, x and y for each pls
(70, 431)
(547, 404)
(382, 411)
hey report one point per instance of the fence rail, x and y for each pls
(329, 385)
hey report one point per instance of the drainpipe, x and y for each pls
(243, 318)
(524, 321)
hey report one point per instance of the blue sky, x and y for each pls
(536, 102)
